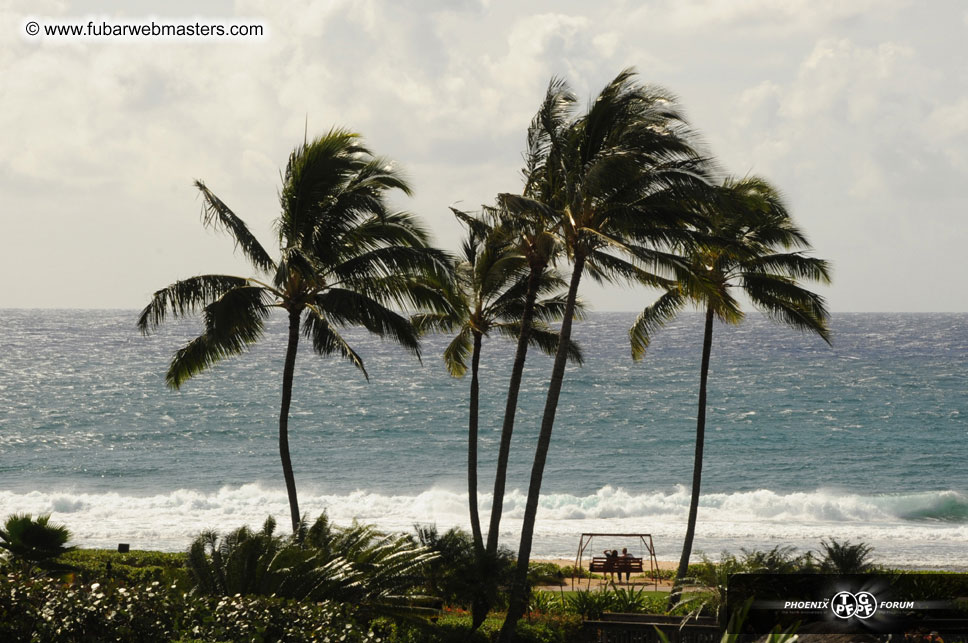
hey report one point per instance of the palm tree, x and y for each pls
(541, 248)
(605, 184)
(492, 283)
(755, 248)
(34, 542)
(345, 259)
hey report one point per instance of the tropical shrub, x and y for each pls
(546, 573)
(453, 574)
(548, 630)
(846, 558)
(782, 559)
(546, 603)
(587, 603)
(710, 580)
(34, 544)
(42, 609)
(132, 568)
(628, 599)
(378, 575)
(454, 627)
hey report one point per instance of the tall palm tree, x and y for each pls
(604, 184)
(345, 259)
(540, 247)
(492, 283)
(753, 247)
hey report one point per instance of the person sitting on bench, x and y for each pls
(611, 557)
(628, 570)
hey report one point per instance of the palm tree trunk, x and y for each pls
(472, 448)
(517, 603)
(707, 344)
(510, 408)
(287, 373)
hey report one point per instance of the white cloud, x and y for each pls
(779, 16)
(843, 105)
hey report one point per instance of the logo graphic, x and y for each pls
(862, 605)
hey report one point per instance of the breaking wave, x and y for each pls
(913, 529)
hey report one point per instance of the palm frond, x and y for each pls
(232, 323)
(654, 317)
(346, 307)
(785, 301)
(185, 297)
(326, 340)
(605, 267)
(478, 228)
(543, 338)
(457, 352)
(216, 214)
(393, 260)
(793, 265)
(425, 323)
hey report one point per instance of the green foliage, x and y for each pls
(845, 558)
(711, 579)
(546, 602)
(547, 573)
(490, 290)
(587, 603)
(442, 632)
(569, 571)
(133, 568)
(592, 603)
(378, 575)
(34, 543)
(628, 599)
(456, 572)
(456, 628)
(334, 227)
(735, 624)
(779, 560)
(549, 630)
(50, 611)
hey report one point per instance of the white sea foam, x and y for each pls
(914, 529)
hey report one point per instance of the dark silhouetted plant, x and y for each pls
(845, 558)
(34, 544)
(380, 575)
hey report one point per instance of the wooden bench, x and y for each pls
(622, 564)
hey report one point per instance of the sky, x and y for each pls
(857, 111)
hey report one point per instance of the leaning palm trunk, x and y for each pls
(287, 373)
(707, 343)
(472, 448)
(486, 562)
(517, 603)
(514, 387)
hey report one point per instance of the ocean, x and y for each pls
(866, 440)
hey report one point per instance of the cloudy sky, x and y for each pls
(857, 110)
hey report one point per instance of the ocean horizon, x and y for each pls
(863, 440)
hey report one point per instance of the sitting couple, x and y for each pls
(612, 557)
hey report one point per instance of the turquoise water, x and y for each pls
(864, 440)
